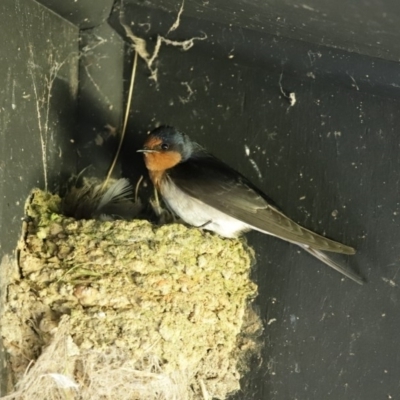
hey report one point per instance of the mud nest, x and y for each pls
(125, 309)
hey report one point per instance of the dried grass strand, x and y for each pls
(128, 107)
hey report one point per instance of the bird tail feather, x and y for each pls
(328, 261)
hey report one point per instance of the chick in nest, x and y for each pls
(89, 198)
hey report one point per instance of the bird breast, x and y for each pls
(199, 214)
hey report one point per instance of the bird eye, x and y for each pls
(165, 146)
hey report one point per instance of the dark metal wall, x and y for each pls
(362, 26)
(330, 160)
(39, 72)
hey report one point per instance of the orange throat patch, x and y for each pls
(158, 163)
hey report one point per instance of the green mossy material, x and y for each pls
(175, 292)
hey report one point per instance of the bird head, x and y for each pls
(165, 147)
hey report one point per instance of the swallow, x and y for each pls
(206, 193)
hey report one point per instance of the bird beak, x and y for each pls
(146, 151)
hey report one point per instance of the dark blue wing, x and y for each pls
(211, 181)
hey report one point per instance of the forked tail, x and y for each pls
(325, 259)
